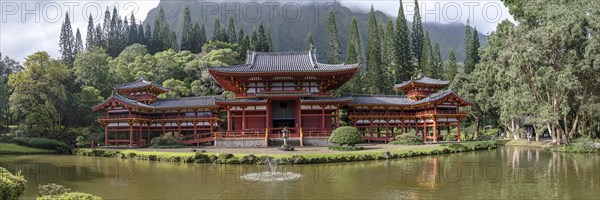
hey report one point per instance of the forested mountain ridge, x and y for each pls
(288, 32)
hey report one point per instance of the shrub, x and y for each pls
(345, 135)
(408, 139)
(70, 196)
(43, 143)
(11, 185)
(52, 189)
(167, 140)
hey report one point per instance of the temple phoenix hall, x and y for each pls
(273, 90)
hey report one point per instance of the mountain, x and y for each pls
(289, 27)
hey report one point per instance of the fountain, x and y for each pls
(272, 174)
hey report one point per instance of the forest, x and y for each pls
(544, 67)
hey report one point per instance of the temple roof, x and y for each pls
(365, 99)
(421, 79)
(398, 100)
(300, 61)
(185, 102)
(139, 84)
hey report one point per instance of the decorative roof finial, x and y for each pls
(142, 77)
(312, 47)
(421, 75)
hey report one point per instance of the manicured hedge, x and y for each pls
(11, 186)
(43, 143)
(345, 135)
(408, 139)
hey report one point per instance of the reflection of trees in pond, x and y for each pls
(429, 174)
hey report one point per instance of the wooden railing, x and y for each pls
(440, 112)
(381, 115)
(241, 134)
(153, 118)
(307, 132)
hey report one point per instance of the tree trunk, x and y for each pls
(477, 126)
(551, 132)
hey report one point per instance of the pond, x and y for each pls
(506, 173)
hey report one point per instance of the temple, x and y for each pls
(273, 91)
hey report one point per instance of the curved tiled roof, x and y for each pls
(140, 83)
(365, 99)
(423, 80)
(185, 102)
(300, 61)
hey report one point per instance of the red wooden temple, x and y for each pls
(273, 91)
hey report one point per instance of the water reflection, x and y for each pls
(507, 173)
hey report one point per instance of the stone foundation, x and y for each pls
(239, 142)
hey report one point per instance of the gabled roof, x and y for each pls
(123, 100)
(139, 84)
(366, 99)
(421, 79)
(185, 102)
(299, 61)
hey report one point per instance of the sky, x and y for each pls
(28, 26)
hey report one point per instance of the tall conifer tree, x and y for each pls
(89, 39)
(469, 60)
(417, 34)
(355, 39)
(78, 44)
(334, 54)
(452, 66)
(67, 42)
(404, 67)
(374, 71)
(425, 60)
(231, 32)
(186, 31)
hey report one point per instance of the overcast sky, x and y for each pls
(30, 26)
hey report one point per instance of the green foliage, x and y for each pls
(408, 139)
(167, 140)
(178, 88)
(583, 144)
(52, 189)
(374, 68)
(490, 132)
(43, 143)
(11, 185)
(346, 136)
(70, 196)
(40, 94)
(452, 67)
(187, 42)
(67, 42)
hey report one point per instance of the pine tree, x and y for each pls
(78, 43)
(469, 60)
(89, 39)
(67, 42)
(149, 39)
(202, 38)
(231, 33)
(374, 71)
(334, 54)
(389, 56)
(140, 38)
(355, 39)
(262, 39)
(106, 28)
(309, 41)
(173, 41)
(161, 35)
(404, 67)
(186, 32)
(452, 67)
(112, 38)
(254, 41)
(475, 47)
(133, 36)
(217, 35)
(195, 38)
(425, 60)
(99, 37)
(269, 41)
(436, 62)
(244, 44)
(417, 34)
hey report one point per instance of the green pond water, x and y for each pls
(503, 173)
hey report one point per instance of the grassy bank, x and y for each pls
(260, 159)
(527, 143)
(8, 148)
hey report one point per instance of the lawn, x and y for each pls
(7, 148)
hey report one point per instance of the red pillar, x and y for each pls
(106, 135)
(458, 129)
(229, 119)
(130, 135)
(148, 134)
(425, 131)
(140, 136)
(323, 117)
(337, 117)
(435, 139)
(243, 118)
